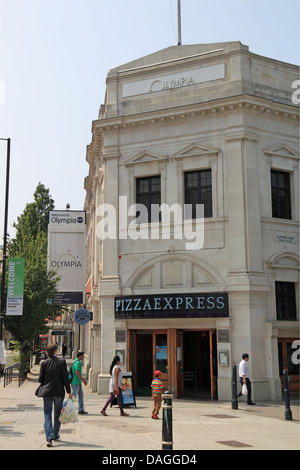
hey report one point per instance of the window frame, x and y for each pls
(285, 298)
(150, 195)
(277, 211)
(208, 213)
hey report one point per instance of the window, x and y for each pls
(198, 190)
(285, 301)
(281, 194)
(148, 192)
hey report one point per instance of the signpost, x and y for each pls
(82, 316)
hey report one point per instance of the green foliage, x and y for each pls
(33, 220)
(30, 243)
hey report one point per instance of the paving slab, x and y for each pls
(197, 425)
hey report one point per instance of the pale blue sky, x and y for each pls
(54, 58)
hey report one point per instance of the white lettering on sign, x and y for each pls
(175, 80)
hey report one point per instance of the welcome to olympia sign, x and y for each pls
(15, 286)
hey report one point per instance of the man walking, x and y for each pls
(244, 377)
(77, 381)
(54, 380)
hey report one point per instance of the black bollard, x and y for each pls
(167, 427)
(288, 412)
(234, 403)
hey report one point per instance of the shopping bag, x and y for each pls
(244, 389)
(68, 413)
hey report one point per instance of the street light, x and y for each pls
(5, 234)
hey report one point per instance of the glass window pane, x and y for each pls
(285, 301)
(198, 190)
(148, 192)
(161, 351)
(281, 197)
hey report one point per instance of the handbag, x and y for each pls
(68, 413)
(244, 389)
(38, 391)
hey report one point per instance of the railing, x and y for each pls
(9, 374)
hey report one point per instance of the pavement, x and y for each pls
(197, 425)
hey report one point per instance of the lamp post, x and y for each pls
(5, 234)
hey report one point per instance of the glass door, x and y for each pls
(160, 356)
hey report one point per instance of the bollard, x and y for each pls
(234, 403)
(167, 427)
(288, 412)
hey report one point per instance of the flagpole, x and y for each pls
(179, 22)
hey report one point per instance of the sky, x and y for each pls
(54, 59)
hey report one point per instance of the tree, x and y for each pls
(30, 243)
(36, 215)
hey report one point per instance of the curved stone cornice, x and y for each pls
(213, 108)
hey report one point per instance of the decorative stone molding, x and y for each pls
(146, 156)
(153, 272)
(244, 103)
(241, 138)
(281, 150)
(195, 149)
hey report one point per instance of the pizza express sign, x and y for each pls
(211, 305)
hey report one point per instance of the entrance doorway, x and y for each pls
(144, 368)
(196, 360)
(187, 360)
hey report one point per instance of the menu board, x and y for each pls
(127, 388)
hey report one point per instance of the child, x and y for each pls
(157, 388)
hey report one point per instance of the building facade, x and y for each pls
(210, 127)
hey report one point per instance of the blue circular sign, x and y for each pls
(82, 316)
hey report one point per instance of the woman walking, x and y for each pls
(115, 386)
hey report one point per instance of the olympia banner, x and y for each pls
(15, 286)
(66, 254)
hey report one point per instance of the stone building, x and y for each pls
(188, 292)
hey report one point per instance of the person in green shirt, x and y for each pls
(77, 381)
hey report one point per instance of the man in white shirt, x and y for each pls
(244, 377)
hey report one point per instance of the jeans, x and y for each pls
(77, 390)
(52, 432)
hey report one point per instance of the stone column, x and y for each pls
(244, 214)
(109, 280)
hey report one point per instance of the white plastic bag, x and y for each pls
(244, 389)
(68, 413)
